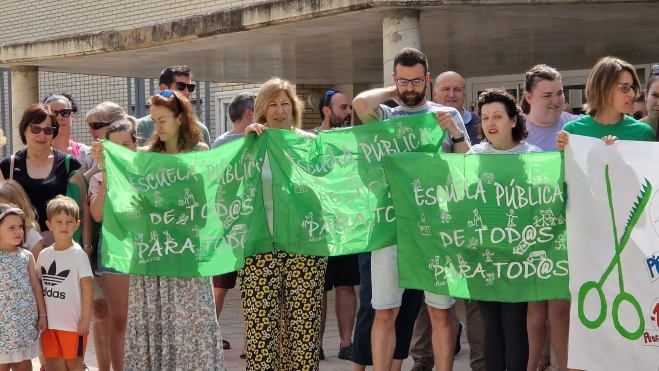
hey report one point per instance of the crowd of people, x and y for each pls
(54, 279)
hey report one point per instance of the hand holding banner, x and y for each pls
(331, 196)
(186, 215)
(613, 221)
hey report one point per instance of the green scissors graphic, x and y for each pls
(623, 296)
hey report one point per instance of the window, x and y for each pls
(222, 100)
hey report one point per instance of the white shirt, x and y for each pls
(32, 237)
(60, 273)
(486, 148)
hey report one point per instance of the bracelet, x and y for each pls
(86, 246)
(100, 168)
(458, 140)
(43, 315)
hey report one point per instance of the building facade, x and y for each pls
(114, 49)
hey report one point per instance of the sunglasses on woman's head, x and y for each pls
(166, 93)
(48, 130)
(169, 93)
(63, 112)
(98, 125)
(180, 86)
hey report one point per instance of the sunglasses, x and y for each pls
(63, 112)
(180, 86)
(169, 93)
(98, 125)
(48, 130)
(405, 82)
(328, 97)
(627, 87)
(166, 93)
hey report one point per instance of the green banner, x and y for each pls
(331, 196)
(484, 227)
(201, 213)
(186, 215)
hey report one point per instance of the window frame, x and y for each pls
(222, 98)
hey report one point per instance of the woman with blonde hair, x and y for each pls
(611, 90)
(171, 321)
(103, 115)
(98, 119)
(281, 287)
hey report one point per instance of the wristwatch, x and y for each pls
(458, 140)
(86, 246)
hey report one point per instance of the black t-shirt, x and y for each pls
(40, 191)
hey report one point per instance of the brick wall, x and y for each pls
(311, 117)
(29, 20)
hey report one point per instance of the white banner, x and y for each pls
(613, 250)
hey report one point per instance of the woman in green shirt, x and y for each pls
(611, 90)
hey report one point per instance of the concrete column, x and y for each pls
(24, 92)
(400, 28)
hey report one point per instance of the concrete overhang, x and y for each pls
(340, 41)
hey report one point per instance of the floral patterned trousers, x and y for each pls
(282, 298)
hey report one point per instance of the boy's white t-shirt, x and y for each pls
(60, 273)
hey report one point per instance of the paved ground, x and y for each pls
(231, 323)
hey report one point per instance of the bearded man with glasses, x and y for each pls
(176, 78)
(396, 309)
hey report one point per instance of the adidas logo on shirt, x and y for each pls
(53, 278)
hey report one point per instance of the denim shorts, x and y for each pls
(386, 292)
(100, 268)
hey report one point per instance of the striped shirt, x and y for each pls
(485, 148)
(387, 112)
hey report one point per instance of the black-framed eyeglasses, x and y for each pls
(180, 86)
(98, 125)
(66, 112)
(48, 130)
(655, 70)
(627, 87)
(415, 82)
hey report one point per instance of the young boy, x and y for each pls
(66, 277)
